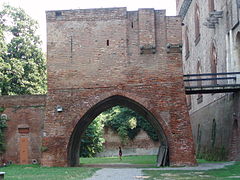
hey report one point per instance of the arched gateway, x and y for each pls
(74, 143)
(99, 58)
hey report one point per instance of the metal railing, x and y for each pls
(212, 82)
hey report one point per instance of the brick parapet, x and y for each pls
(102, 14)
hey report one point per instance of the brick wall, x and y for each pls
(25, 120)
(95, 54)
(142, 144)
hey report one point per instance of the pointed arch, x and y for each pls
(213, 135)
(213, 62)
(237, 51)
(234, 153)
(93, 112)
(187, 51)
(197, 24)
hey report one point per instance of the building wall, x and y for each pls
(142, 144)
(201, 51)
(221, 107)
(25, 122)
(95, 54)
(178, 5)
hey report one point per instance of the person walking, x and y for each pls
(120, 153)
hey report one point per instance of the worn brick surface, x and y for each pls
(23, 112)
(94, 54)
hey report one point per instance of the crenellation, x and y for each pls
(102, 14)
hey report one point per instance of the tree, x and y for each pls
(92, 140)
(22, 63)
(128, 123)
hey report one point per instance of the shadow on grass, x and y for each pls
(30, 172)
(229, 172)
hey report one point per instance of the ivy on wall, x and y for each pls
(127, 123)
(124, 121)
(3, 126)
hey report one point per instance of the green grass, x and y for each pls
(30, 172)
(205, 161)
(229, 172)
(125, 159)
(146, 159)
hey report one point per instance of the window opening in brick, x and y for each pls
(187, 52)
(107, 42)
(199, 134)
(188, 97)
(237, 50)
(132, 24)
(213, 137)
(58, 13)
(23, 130)
(213, 62)
(189, 103)
(197, 24)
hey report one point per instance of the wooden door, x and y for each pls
(24, 150)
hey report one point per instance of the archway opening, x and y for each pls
(237, 52)
(105, 105)
(234, 154)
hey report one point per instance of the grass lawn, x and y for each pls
(151, 160)
(205, 161)
(30, 172)
(229, 172)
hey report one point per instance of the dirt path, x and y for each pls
(136, 173)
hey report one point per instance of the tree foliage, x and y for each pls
(126, 122)
(92, 140)
(3, 126)
(22, 63)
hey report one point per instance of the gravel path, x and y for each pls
(117, 174)
(136, 173)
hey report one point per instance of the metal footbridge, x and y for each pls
(212, 83)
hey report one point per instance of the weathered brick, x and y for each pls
(95, 54)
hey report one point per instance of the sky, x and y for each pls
(36, 8)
